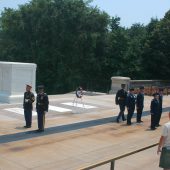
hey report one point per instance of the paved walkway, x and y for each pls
(77, 138)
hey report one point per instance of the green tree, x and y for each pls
(156, 57)
(133, 57)
(62, 36)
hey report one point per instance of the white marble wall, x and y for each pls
(116, 83)
(13, 78)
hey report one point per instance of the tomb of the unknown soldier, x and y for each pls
(13, 78)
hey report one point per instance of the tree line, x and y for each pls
(75, 44)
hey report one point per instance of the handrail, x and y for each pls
(111, 160)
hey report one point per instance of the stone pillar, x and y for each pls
(116, 83)
(13, 79)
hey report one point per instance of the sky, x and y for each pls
(130, 11)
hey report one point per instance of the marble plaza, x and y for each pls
(76, 137)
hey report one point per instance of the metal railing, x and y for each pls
(112, 160)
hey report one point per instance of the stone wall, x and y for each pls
(150, 85)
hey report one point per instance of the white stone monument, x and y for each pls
(116, 83)
(13, 78)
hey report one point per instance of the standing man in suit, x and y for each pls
(130, 103)
(154, 109)
(160, 106)
(28, 106)
(41, 107)
(140, 104)
(120, 100)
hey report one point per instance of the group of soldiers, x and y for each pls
(42, 103)
(123, 98)
(130, 100)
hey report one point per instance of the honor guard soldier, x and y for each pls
(130, 103)
(160, 94)
(154, 109)
(140, 104)
(41, 107)
(28, 106)
(120, 100)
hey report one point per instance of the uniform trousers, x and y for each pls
(130, 115)
(158, 118)
(153, 120)
(139, 114)
(121, 113)
(28, 117)
(41, 120)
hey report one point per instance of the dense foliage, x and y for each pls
(75, 44)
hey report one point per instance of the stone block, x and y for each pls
(13, 78)
(116, 83)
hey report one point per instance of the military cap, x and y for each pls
(28, 85)
(41, 87)
(161, 89)
(141, 87)
(155, 94)
(131, 89)
(123, 85)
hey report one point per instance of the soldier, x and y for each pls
(160, 106)
(130, 103)
(154, 109)
(120, 100)
(27, 105)
(140, 104)
(41, 107)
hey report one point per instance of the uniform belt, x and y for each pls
(121, 98)
(41, 104)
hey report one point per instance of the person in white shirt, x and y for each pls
(164, 142)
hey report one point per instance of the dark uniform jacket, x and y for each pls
(140, 101)
(42, 102)
(160, 102)
(130, 102)
(121, 96)
(28, 100)
(154, 107)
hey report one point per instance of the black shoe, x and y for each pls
(117, 121)
(40, 130)
(124, 119)
(129, 124)
(27, 126)
(139, 121)
(158, 125)
(153, 128)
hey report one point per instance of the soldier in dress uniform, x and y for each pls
(140, 104)
(28, 106)
(154, 109)
(160, 94)
(130, 103)
(120, 100)
(42, 103)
